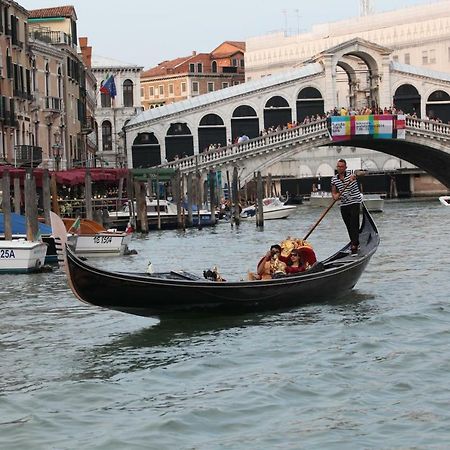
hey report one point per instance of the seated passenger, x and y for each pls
(301, 259)
(271, 265)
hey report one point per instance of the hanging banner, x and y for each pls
(383, 126)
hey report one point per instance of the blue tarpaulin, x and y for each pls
(19, 225)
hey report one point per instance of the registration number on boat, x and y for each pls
(102, 239)
(6, 253)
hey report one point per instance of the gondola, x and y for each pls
(179, 292)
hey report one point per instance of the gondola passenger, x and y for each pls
(271, 265)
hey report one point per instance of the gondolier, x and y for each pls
(344, 187)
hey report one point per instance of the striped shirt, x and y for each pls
(351, 194)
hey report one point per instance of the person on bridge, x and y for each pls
(344, 187)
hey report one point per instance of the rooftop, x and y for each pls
(57, 11)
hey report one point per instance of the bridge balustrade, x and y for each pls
(247, 148)
(427, 125)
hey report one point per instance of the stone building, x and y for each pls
(418, 36)
(64, 98)
(112, 114)
(189, 76)
(17, 140)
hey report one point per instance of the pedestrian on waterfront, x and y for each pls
(344, 187)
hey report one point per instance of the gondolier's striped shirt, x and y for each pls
(352, 194)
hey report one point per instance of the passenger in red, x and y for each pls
(300, 260)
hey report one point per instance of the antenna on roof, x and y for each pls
(366, 8)
(284, 11)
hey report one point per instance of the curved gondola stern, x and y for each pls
(60, 235)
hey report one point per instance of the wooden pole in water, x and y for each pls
(131, 198)
(54, 191)
(46, 197)
(212, 195)
(30, 205)
(141, 207)
(157, 202)
(235, 191)
(269, 185)
(6, 205)
(199, 199)
(17, 194)
(88, 193)
(177, 192)
(189, 197)
(259, 204)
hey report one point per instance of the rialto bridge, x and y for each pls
(354, 74)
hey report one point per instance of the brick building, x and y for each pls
(189, 76)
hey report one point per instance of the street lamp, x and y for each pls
(56, 147)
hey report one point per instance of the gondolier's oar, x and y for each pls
(326, 212)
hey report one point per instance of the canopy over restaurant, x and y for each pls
(72, 177)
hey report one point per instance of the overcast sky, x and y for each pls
(145, 32)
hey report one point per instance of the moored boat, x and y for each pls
(94, 240)
(179, 292)
(273, 208)
(167, 215)
(445, 200)
(21, 256)
(373, 202)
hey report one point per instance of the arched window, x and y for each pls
(59, 83)
(128, 93)
(105, 99)
(106, 136)
(214, 67)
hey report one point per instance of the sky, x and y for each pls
(146, 32)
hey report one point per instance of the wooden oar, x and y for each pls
(326, 212)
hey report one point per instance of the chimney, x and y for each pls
(194, 53)
(86, 51)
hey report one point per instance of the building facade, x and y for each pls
(112, 114)
(17, 134)
(417, 36)
(190, 76)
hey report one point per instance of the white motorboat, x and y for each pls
(167, 212)
(91, 239)
(320, 198)
(273, 208)
(21, 256)
(374, 202)
(445, 200)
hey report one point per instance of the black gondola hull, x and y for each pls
(173, 293)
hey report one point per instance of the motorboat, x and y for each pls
(19, 231)
(92, 239)
(320, 198)
(445, 200)
(273, 208)
(178, 292)
(21, 256)
(167, 214)
(373, 202)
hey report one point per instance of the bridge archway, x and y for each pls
(211, 130)
(407, 98)
(309, 102)
(244, 121)
(179, 141)
(438, 106)
(277, 112)
(146, 151)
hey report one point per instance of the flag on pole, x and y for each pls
(75, 228)
(109, 87)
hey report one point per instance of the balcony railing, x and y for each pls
(51, 37)
(27, 155)
(53, 104)
(87, 125)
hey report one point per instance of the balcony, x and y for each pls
(52, 104)
(51, 37)
(27, 155)
(87, 125)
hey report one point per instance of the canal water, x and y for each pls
(371, 370)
